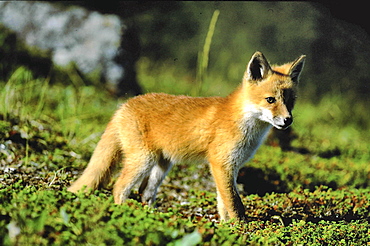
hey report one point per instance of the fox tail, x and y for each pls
(98, 172)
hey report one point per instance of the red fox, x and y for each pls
(151, 132)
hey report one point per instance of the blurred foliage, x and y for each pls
(13, 53)
(337, 51)
(173, 34)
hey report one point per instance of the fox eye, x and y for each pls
(270, 100)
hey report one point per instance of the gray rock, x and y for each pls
(92, 41)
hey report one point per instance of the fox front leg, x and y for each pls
(229, 204)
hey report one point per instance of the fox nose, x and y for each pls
(288, 121)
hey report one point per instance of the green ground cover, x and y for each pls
(315, 194)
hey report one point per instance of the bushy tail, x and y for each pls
(106, 154)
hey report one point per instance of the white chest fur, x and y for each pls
(254, 132)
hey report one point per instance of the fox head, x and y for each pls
(271, 91)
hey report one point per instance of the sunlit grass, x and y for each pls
(333, 122)
(78, 112)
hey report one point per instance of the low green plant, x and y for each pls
(46, 217)
(322, 199)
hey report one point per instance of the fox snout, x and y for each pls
(283, 123)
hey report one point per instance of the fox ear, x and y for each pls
(258, 67)
(296, 68)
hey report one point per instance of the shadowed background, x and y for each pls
(172, 33)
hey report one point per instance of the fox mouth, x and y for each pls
(282, 123)
(279, 122)
(281, 127)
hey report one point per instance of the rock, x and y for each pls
(90, 40)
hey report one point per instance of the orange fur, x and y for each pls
(151, 132)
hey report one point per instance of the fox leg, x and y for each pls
(229, 204)
(150, 185)
(221, 207)
(136, 167)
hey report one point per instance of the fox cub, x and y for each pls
(151, 132)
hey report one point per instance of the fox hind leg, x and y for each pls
(150, 184)
(136, 167)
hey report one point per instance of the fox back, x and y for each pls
(149, 133)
